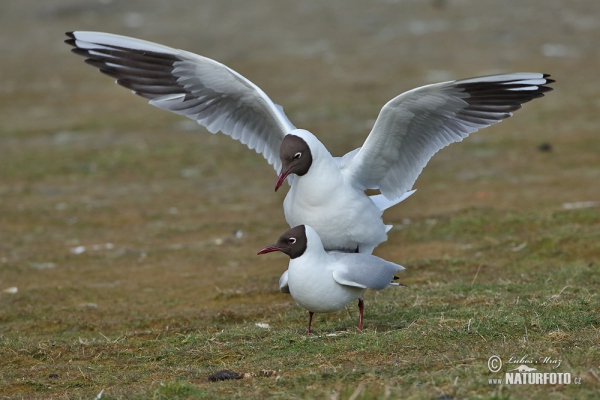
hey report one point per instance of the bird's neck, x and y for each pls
(323, 178)
(310, 262)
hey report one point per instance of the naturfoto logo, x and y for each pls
(524, 373)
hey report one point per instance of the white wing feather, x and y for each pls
(185, 83)
(415, 125)
(284, 287)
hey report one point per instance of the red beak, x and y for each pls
(268, 249)
(281, 178)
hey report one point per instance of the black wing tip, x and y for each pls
(72, 38)
(545, 88)
(507, 92)
(80, 52)
(549, 81)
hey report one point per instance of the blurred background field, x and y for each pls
(128, 235)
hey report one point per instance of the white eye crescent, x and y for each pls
(297, 155)
(292, 240)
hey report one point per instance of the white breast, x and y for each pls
(343, 216)
(313, 287)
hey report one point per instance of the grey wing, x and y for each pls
(364, 271)
(415, 125)
(202, 89)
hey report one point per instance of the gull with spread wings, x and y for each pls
(327, 193)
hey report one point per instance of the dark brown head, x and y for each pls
(295, 157)
(293, 243)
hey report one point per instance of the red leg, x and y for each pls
(310, 315)
(361, 310)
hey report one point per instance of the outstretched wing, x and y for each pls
(364, 271)
(415, 125)
(188, 84)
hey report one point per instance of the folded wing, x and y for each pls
(202, 89)
(415, 125)
(284, 287)
(364, 271)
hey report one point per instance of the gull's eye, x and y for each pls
(292, 240)
(297, 155)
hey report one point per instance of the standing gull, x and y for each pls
(325, 282)
(327, 193)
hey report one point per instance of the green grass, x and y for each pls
(167, 306)
(429, 340)
(496, 264)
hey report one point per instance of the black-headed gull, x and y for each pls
(326, 192)
(324, 282)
